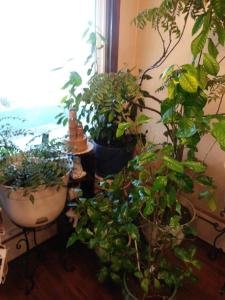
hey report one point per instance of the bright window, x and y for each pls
(38, 36)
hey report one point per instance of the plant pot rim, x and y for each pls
(170, 297)
(110, 146)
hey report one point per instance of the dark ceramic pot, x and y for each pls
(111, 160)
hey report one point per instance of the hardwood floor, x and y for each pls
(52, 282)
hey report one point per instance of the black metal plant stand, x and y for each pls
(215, 250)
(29, 273)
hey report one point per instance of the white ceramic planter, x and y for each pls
(48, 204)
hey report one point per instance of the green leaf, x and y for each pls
(198, 43)
(145, 285)
(186, 128)
(167, 72)
(210, 64)
(204, 194)
(160, 182)
(132, 230)
(122, 128)
(221, 33)
(173, 164)
(75, 78)
(219, 7)
(194, 166)
(202, 77)
(157, 283)
(73, 238)
(188, 82)
(198, 24)
(171, 89)
(218, 131)
(149, 207)
(206, 180)
(212, 203)
(142, 119)
(212, 49)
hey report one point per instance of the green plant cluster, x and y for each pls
(36, 165)
(134, 225)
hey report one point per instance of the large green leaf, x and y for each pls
(198, 43)
(186, 128)
(188, 82)
(196, 166)
(198, 24)
(219, 7)
(212, 49)
(210, 64)
(173, 164)
(218, 131)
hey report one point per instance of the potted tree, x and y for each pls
(148, 192)
(33, 182)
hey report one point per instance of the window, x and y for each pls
(37, 37)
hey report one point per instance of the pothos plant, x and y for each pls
(149, 193)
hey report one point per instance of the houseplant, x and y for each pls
(33, 181)
(108, 100)
(149, 195)
(102, 104)
(114, 224)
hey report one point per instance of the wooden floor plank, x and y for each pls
(54, 283)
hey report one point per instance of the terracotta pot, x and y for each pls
(47, 206)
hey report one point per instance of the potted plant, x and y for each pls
(33, 182)
(148, 194)
(107, 101)
(136, 229)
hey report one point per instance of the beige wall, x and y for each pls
(148, 49)
(128, 34)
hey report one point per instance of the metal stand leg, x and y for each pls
(28, 274)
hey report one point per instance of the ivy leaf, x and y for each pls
(218, 131)
(173, 164)
(186, 128)
(210, 64)
(194, 166)
(212, 49)
(198, 24)
(198, 43)
(188, 82)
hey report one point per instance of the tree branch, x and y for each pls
(222, 59)
(167, 52)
